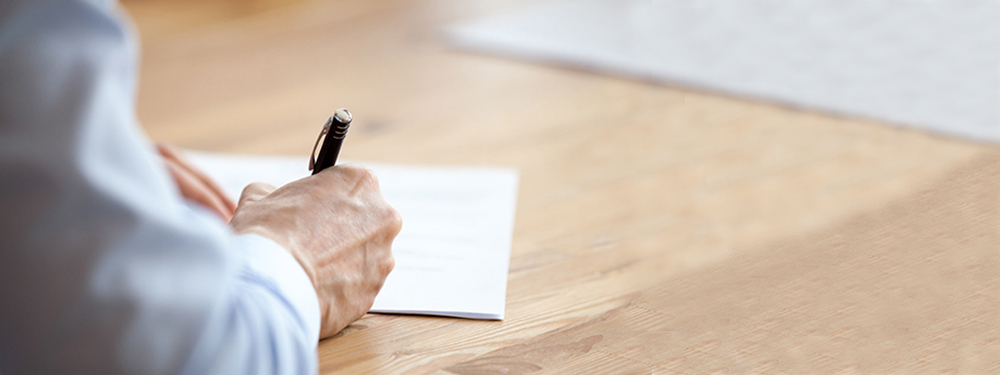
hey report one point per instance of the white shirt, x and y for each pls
(104, 269)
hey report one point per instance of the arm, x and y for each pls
(103, 267)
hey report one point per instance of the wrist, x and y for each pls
(287, 244)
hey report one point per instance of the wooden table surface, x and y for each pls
(658, 229)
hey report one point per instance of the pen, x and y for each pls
(335, 131)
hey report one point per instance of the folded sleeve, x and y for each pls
(253, 327)
(104, 268)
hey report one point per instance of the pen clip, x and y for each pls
(312, 155)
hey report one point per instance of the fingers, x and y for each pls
(171, 153)
(210, 184)
(255, 192)
(167, 150)
(192, 188)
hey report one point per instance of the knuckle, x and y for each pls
(255, 190)
(360, 176)
(388, 264)
(248, 191)
(392, 220)
(359, 172)
(367, 176)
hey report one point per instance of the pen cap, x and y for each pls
(343, 116)
(341, 121)
(336, 129)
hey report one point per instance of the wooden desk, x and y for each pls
(658, 229)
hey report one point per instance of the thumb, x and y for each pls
(255, 191)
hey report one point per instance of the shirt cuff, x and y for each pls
(266, 257)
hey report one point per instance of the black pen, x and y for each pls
(335, 131)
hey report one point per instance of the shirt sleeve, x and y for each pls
(104, 269)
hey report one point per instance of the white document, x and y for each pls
(931, 64)
(453, 253)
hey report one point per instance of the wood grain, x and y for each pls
(659, 230)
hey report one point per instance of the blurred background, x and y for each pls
(629, 180)
(262, 76)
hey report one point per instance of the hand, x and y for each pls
(338, 226)
(194, 184)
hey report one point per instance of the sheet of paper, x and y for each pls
(930, 64)
(453, 253)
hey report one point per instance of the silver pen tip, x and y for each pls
(342, 115)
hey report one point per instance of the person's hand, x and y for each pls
(194, 184)
(338, 226)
